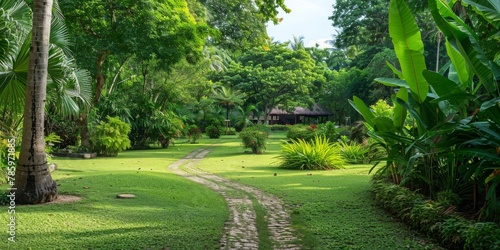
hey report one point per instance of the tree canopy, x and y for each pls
(274, 75)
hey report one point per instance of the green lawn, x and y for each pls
(333, 209)
(168, 211)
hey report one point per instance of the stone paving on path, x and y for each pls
(241, 229)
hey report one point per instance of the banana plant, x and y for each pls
(455, 135)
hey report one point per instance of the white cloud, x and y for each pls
(322, 42)
(308, 19)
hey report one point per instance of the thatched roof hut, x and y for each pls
(299, 115)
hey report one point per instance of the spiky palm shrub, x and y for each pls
(353, 152)
(316, 154)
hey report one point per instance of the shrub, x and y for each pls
(194, 133)
(328, 130)
(228, 131)
(167, 127)
(279, 127)
(255, 138)
(353, 152)
(317, 154)
(483, 235)
(110, 138)
(433, 218)
(50, 141)
(300, 131)
(344, 131)
(213, 132)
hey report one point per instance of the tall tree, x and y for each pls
(361, 22)
(274, 75)
(165, 30)
(297, 43)
(228, 98)
(33, 182)
(239, 24)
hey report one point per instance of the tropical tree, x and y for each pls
(105, 30)
(239, 24)
(33, 182)
(228, 98)
(243, 116)
(361, 22)
(273, 75)
(297, 43)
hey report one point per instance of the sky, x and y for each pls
(309, 18)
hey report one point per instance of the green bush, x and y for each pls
(316, 154)
(228, 131)
(166, 127)
(110, 138)
(300, 131)
(255, 137)
(483, 235)
(194, 133)
(435, 218)
(279, 127)
(213, 132)
(50, 141)
(344, 131)
(353, 152)
(328, 130)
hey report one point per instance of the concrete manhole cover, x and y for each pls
(125, 196)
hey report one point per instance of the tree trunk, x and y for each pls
(100, 81)
(33, 182)
(84, 131)
(100, 77)
(266, 113)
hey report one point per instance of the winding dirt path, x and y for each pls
(241, 229)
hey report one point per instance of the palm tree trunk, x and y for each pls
(33, 182)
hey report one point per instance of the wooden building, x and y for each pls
(299, 115)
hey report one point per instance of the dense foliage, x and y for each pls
(435, 218)
(443, 135)
(193, 133)
(273, 75)
(213, 132)
(111, 137)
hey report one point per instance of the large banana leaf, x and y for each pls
(392, 82)
(460, 67)
(409, 48)
(362, 109)
(489, 13)
(464, 40)
(394, 70)
(399, 111)
(447, 90)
